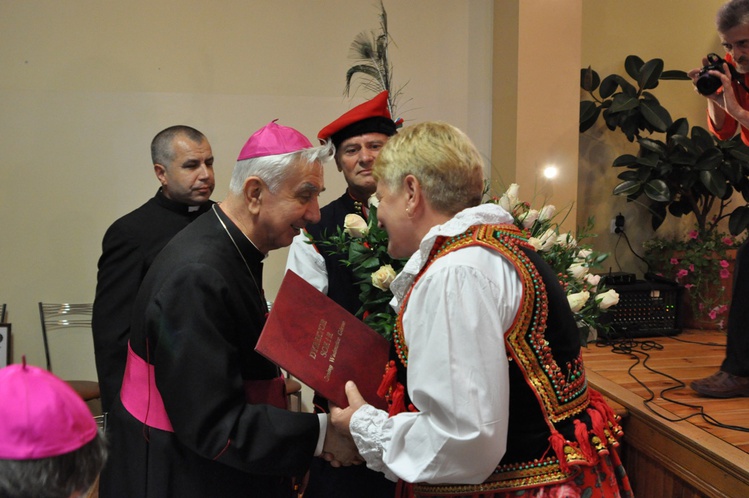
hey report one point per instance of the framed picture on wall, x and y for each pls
(4, 344)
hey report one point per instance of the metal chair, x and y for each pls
(61, 316)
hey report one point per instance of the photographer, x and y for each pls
(727, 107)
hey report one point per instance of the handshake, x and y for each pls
(339, 448)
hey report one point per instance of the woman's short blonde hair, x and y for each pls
(441, 157)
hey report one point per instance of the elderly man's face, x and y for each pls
(284, 213)
(189, 177)
(736, 42)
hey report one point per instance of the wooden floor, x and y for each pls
(670, 426)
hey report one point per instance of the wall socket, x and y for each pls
(617, 224)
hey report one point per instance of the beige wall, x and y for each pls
(536, 61)
(86, 84)
(681, 32)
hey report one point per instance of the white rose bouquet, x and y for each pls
(362, 246)
(568, 256)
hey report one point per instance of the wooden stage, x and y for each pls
(670, 449)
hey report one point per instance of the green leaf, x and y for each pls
(371, 263)
(739, 220)
(702, 138)
(740, 153)
(624, 160)
(710, 159)
(589, 113)
(648, 159)
(627, 188)
(658, 190)
(658, 211)
(679, 127)
(623, 102)
(714, 182)
(628, 175)
(632, 65)
(589, 79)
(675, 74)
(649, 74)
(653, 145)
(656, 115)
(609, 86)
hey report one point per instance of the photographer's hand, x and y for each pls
(727, 100)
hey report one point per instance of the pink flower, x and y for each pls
(712, 314)
(724, 263)
(693, 234)
(681, 274)
(688, 286)
(691, 268)
(727, 241)
(674, 261)
(724, 273)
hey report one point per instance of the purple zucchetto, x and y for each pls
(273, 139)
(41, 416)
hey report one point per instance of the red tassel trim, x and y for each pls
(596, 421)
(388, 379)
(581, 435)
(597, 400)
(599, 403)
(398, 404)
(557, 444)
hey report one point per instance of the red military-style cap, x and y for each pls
(372, 116)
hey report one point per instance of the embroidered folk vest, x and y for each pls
(556, 421)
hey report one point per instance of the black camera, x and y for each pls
(707, 84)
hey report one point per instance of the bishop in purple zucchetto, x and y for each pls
(273, 139)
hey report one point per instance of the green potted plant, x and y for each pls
(687, 172)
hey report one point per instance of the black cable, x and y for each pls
(623, 233)
(629, 346)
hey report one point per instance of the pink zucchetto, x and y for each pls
(40, 415)
(273, 139)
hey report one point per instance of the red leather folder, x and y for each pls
(323, 345)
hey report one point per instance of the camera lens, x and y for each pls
(707, 84)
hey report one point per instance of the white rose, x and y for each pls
(547, 212)
(566, 240)
(374, 201)
(512, 194)
(578, 300)
(530, 218)
(607, 299)
(355, 226)
(593, 279)
(536, 243)
(504, 202)
(583, 254)
(383, 277)
(548, 239)
(578, 271)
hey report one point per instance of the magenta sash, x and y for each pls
(139, 394)
(142, 399)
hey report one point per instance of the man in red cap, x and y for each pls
(49, 443)
(358, 136)
(200, 413)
